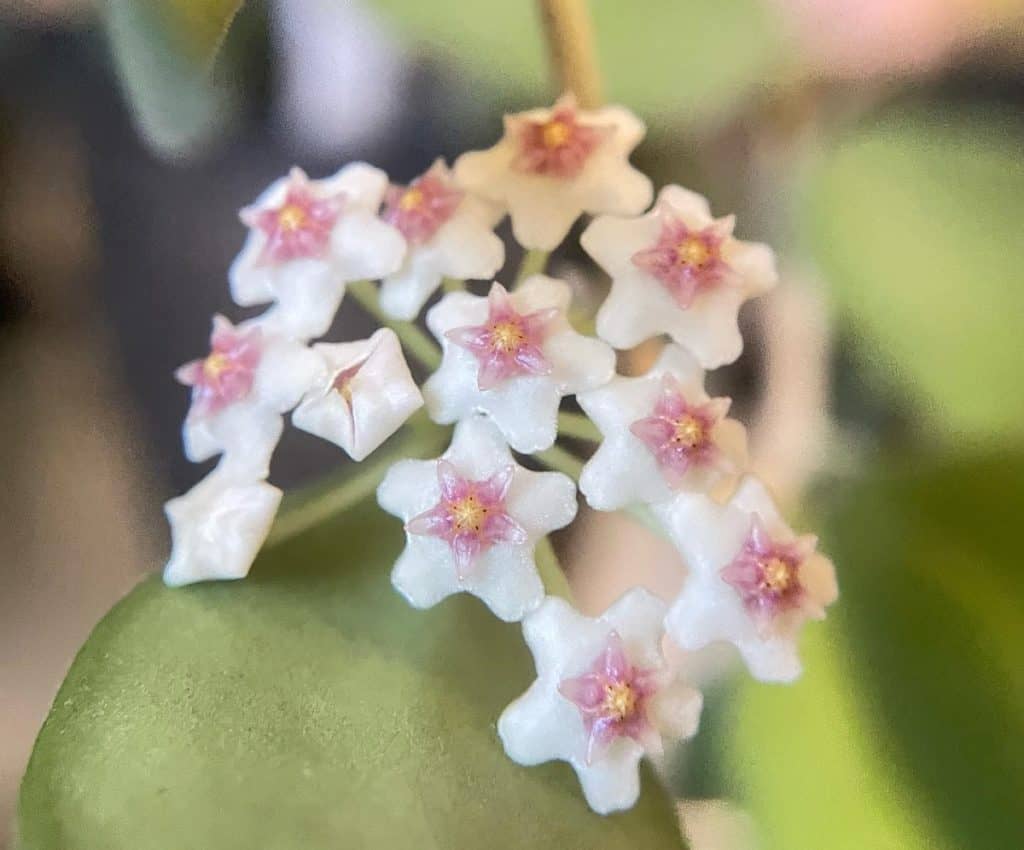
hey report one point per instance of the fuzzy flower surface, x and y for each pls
(512, 356)
(448, 233)
(362, 396)
(472, 520)
(752, 581)
(662, 435)
(678, 271)
(307, 239)
(218, 527)
(554, 164)
(603, 698)
(239, 390)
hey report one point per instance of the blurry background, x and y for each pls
(876, 143)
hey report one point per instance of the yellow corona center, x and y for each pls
(619, 700)
(291, 217)
(693, 252)
(507, 336)
(776, 575)
(689, 432)
(555, 134)
(410, 199)
(215, 364)
(468, 515)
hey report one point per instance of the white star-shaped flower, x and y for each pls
(239, 391)
(449, 233)
(677, 270)
(662, 435)
(363, 394)
(307, 239)
(752, 581)
(512, 356)
(472, 520)
(553, 164)
(604, 696)
(218, 527)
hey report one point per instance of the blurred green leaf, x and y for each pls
(934, 610)
(805, 761)
(164, 53)
(906, 730)
(690, 58)
(306, 707)
(916, 221)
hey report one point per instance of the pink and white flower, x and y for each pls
(662, 435)
(554, 164)
(512, 356)
(472, 519)
(218, 527)
(448, 233)
(307, 239)
(363, 394)
(677, 270)
(239, 390)
(604, 696)
(752, 581)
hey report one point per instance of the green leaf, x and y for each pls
(906, 730)
(916, 222)
(305, 707)
(164, 53)
(695, 59)
(934, 610)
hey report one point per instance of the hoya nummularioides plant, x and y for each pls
(503, 359)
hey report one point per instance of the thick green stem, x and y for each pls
(534, 262)
(561, 460)
(578, 426)
(414, 340)
(551, 572)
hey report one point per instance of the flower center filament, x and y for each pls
(507, 337)
(292, 217)
(689, 432)
(555, 134)
(411, 199)
(693, 252)
(776, 575)
(620, 700)
(468, 515)
(215, 365)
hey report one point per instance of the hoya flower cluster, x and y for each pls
(605, 694)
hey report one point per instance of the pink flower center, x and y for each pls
(299, 227)
(419, 209)
(612, 698)
(558, 147)
(680, 435)
(508, 344)
(688, 262)
(766, 574)
(470, 516)
(226, 375)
